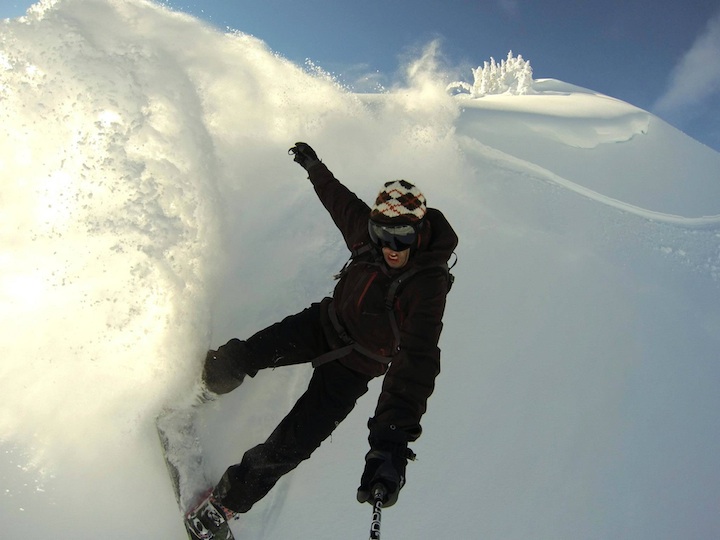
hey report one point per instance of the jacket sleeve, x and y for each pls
(349, 212)
(411, 378)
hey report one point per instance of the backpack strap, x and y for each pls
(351, 344)
(365, 248)
(393, 290)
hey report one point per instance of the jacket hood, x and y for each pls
(437, 240)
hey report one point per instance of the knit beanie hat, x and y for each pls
(399, 202)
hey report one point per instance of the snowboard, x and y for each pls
(183, 457)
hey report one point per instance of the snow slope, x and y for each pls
(149, 211)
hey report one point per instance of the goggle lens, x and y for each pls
(397, 238)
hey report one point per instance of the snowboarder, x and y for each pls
(350, 339)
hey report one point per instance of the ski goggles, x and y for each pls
(397, 238)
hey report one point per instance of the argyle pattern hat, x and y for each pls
(399, 202)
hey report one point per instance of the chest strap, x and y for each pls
(351, 344)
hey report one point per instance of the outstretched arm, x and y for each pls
(348, 212)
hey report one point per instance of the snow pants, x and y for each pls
(331, 395)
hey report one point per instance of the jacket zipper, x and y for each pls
(365, 290)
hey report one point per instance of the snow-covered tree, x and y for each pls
(511, 76)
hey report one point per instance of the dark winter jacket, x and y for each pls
(359, 302)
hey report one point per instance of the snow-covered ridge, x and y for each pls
(562, 113)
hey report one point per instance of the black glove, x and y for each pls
(221, 374)
(384, 465)
(304, 155)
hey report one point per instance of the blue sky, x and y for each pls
(662, 56)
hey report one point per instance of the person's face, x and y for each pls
(396, 259)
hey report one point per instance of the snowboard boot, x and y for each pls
(209, 520)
